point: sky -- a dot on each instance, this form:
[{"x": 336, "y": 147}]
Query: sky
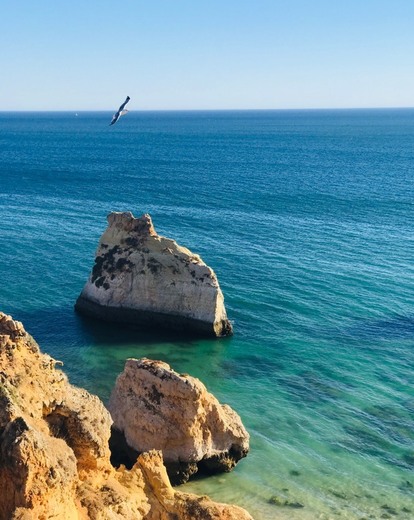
[{"x": 198, "y": 54}]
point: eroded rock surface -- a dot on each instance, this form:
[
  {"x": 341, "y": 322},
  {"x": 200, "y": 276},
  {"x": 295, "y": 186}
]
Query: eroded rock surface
[
  {"x": 155, "y": 407},
  {"x": 54, "y": 454},
  {"x": 142, "y": 278}
]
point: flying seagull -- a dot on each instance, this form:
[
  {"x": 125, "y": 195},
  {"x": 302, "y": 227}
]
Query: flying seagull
[{"x": 121, "y": 112}]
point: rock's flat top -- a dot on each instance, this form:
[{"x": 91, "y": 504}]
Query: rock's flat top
[
  {"x": 54, "y": 455},
  {"x": 142, "y": 276}
]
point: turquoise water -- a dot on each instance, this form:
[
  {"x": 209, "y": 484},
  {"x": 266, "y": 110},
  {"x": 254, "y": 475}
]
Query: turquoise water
[{"x": 306, "y": 217}]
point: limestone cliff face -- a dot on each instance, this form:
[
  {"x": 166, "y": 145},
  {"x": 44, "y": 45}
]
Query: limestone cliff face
[
  {"x": 143, "y": 278},
  {"x": 155, "y": 407},
  {"x": 54, "y": 454}
]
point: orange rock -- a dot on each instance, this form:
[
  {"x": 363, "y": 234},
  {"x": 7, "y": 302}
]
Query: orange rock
[
  {"x": 54, "y": 455},
  {"x": 155, "y": 407}
]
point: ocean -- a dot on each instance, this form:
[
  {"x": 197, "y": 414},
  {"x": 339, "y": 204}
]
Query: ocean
[{"x": 306, "y": 216}]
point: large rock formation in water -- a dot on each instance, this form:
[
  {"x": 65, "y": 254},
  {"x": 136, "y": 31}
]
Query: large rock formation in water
[
  {"x": 140, "y": 277},
  {"x": 54, "y": 454},
  {"x": 154, "y": 407}
]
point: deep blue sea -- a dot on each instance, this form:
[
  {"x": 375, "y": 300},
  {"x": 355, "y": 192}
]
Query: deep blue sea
[{"x": 306, "y": 218}]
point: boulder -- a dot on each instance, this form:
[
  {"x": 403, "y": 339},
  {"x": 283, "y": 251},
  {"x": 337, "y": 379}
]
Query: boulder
[
  {"x": 142, "y": 278},
  {"x": 154, "y": 407},
  {"x": 54, "y": 453}
]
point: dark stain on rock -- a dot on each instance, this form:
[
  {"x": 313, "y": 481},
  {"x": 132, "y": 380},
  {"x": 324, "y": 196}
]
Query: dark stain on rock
[
  {"x": 101, "y": 260},
  {"x": 132, "y": 241},
  {"x": 196, "y": 510},
  {"x": 105, "y": 264},
  {"x": 122, "y": 263},
  {"x": 100, "y": 281},
  {"x": 154, "y": 265},
  {"x": 149, "y": 405},
  {"x": 97, "y": 268},
  {"x": 155, "y": 395}
]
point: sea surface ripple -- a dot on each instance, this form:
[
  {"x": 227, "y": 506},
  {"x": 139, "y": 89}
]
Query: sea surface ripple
[{"x": 307, "y": 219}]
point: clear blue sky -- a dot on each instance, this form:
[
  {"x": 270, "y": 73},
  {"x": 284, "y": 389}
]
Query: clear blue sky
[{"x": 199, "y": 54}]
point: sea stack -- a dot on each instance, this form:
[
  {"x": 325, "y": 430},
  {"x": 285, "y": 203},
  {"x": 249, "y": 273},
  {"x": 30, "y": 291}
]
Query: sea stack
[{"x": 142, "y": 278}]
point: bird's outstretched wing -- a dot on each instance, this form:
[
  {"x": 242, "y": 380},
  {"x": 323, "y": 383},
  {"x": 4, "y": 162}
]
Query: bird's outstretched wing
[
  {"x": 120, "y": 112},
  {"x": 124, "y": 103}
]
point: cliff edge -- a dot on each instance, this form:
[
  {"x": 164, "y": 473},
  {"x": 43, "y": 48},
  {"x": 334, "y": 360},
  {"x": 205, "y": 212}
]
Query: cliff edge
[
  {"x": 54, "y": 453},
  {"x": 140, "y": 277}
]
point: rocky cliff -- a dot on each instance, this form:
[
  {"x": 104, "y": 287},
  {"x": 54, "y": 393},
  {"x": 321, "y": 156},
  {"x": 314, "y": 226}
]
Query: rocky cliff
[
  {"x": 142, "y": 278},
  {"x": 155, "y": 407},
  {"x": 54, "y": 454}
]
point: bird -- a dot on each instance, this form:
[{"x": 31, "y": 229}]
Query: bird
[{"x": 121, "y": 111}]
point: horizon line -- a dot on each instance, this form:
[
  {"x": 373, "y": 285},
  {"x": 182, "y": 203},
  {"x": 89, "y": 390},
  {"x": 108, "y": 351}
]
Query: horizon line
[{"x": 209, "y": 109}]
